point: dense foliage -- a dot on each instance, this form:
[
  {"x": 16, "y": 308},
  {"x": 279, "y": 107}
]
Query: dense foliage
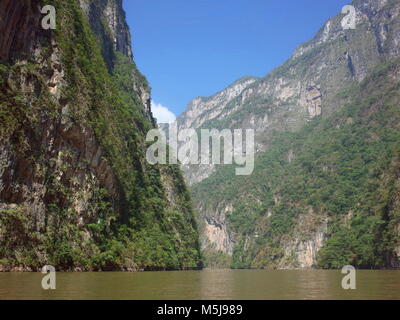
[{"x": 136, "y": 228}]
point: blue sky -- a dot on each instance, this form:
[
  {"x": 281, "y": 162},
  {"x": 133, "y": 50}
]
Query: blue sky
[{"x": 190, "y": 48}]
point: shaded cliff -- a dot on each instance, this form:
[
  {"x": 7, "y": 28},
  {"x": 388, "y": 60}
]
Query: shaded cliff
[{"x": 75, "y": 188}]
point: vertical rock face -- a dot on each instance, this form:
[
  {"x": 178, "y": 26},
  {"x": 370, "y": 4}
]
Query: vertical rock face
[
  {"x": 107, "y": 20},
  {"x": 17, "y": 19},
  {"x": 307, "y": 251},
  {"x": 304, "y": 89},
  {"x": 216, "y": 236},
  {"x": 301, "y": 250},
  {"x": 75, "y": 188}
]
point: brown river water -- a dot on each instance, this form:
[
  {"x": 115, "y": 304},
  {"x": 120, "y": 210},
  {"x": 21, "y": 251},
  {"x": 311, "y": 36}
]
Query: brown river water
[{"x": 201, "y": 285}]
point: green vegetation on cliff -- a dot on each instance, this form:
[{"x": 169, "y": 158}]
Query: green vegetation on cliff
[
  {"x": 339, "y": 172},
  {"x": 128, "y": 220}
]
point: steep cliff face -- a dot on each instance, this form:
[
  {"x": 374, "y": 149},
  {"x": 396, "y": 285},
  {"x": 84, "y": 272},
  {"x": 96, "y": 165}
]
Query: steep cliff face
[
  {"x": 75, "y": 188},
  {"x": 16, "y": 22},
  {"x": 262, "y": 216},
  {"x": 108, "y": 22},
  {"x": 199, "y": 113}
]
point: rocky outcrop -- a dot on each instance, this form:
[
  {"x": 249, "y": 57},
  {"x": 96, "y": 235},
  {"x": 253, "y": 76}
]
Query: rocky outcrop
[
  {"x": 305, "y": 242},
  {"x": 215, "y": 235},
  {"x": 313, "y": 100}
]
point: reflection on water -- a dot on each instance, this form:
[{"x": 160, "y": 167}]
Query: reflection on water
[{"x": 207, "y": 284}]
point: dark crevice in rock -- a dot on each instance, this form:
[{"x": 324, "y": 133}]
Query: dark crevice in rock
[{"x": 350, "y": 65}]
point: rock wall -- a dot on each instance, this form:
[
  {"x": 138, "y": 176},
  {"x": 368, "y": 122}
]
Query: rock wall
[
  {"x": 107, "y": 19},
  {"x": 16, "y": 23},
  {"x": 64, "y": 189}
]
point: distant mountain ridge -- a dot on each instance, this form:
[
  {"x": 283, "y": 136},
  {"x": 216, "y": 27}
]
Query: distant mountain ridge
[{"x": 304, "y": 87}]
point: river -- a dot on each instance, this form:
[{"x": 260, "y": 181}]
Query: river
[{"x": 206, "y": 284}]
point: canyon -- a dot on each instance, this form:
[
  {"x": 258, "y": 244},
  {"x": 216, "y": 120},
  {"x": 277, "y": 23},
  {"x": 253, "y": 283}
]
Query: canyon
[{"x": 77, "y": 192}]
